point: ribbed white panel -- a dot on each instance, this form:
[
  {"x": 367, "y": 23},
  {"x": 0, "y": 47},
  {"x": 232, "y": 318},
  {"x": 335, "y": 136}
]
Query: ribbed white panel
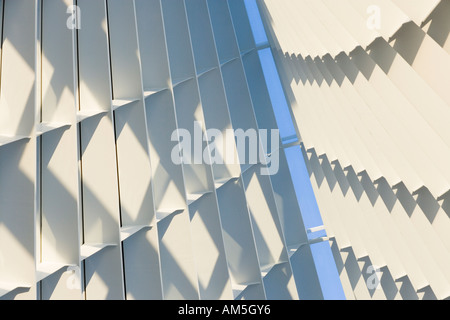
[
  {"x": 372, "y": 106},
  {"x": 91, "y": 204}
]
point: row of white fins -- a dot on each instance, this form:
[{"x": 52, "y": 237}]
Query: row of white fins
[{"x": 372, "y": 108}]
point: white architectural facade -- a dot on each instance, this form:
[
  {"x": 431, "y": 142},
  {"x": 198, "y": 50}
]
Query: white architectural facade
[
  {"x": 98, "y": 99},
  {"x": 368, "y": 84},
  {"x": 92, "y": 205}
]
